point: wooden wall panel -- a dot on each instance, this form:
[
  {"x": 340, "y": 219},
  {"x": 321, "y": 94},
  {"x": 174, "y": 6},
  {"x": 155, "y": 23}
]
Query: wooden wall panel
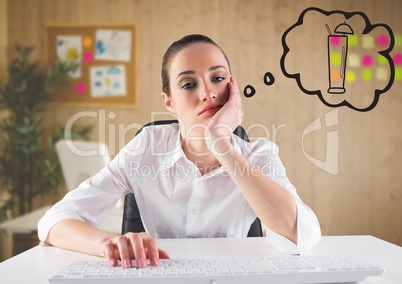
[
  {"x": 364, "y": 197},
  {"x": 3, "y": 41}
]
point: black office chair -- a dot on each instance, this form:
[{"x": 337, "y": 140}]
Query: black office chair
[{"x": 131, "y": 215}]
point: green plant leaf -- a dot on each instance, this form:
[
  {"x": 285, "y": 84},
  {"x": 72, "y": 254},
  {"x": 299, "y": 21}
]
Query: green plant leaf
[{"x": 28, "y": 165}]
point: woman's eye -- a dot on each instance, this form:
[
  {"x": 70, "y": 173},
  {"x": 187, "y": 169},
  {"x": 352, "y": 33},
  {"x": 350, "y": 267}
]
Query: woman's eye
[
  {"x": 188, "y": 85},
  {"x": 218, "y": 79}
]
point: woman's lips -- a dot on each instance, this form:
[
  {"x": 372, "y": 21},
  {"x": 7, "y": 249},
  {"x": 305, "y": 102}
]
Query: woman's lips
[{"x": 210, "y": 108}]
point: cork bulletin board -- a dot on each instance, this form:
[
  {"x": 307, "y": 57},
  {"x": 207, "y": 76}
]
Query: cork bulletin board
[{"x": 106, "y": 55}]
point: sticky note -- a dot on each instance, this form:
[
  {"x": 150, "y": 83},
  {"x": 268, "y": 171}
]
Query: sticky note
[
  {"x": 381, "y": 60},
  {"x": 381, "y": 74},
  {"x": 398, "y": 40},
  {"x": 367, "y": 74},
  {"x": 367, "y": 41},
  {"x": 397, "y": 59},
  {"x": 367, "y": 60},
  {"x": 334, "y": 40},
  {"x": 335, "y": 75},
  {"x": 350, "y": 76},
  {"x": 398, "y": 73},
  {"x": 335, "y": 58},
  {"x": 383, "y": 40},
  {"x": 353, "y": 40},
  {"x": 353, "y": 60}
]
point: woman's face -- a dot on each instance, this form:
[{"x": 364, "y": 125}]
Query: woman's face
[{"x": 199, "y": 77}]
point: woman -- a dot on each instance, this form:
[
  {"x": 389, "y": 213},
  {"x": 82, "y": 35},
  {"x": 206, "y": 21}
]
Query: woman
[{"x": 208, "y": 182}]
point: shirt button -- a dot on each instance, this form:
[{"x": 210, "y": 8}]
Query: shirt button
[{"x": 194, "y": 211}]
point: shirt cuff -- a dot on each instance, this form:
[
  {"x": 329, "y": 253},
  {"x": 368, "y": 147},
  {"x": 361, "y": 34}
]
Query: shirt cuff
[
  {"x": 308, "y": 233},
  {"x": 50, "y": 219}
]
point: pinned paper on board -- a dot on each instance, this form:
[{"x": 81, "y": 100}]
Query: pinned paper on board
[
  {"x": 69, "y": 48},
  {"x": 113, "y": 45},
  {"x": 106, "y": 55},
  {"x": 108, "y": 81}
]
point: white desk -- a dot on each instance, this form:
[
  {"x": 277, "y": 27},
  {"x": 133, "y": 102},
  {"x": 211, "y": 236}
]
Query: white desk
[{"x": 38, "y": 263}]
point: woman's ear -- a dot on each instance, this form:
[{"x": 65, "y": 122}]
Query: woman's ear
[{"x": 168, "y": 102}]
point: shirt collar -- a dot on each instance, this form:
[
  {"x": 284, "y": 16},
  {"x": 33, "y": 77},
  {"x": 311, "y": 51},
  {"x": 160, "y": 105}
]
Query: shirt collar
[{"x": 175, "y": 151}]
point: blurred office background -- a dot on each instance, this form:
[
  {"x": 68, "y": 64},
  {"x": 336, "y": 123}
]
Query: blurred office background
[{"x": 357, "y": 192}]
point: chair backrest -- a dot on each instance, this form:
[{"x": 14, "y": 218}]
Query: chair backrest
[
  {"x": 131, "y": 215},
  {"x": 80, "y": 160}
]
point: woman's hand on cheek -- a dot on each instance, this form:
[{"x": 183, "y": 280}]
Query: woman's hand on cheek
[
  {"x": 231, "y": 114},
  {"x": 225, "y": 121}
]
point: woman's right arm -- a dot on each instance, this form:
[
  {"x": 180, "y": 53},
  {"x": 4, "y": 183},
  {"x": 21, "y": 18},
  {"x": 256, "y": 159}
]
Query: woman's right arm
[
  {"x": 76, "y": 235},
  {"x": 72, "y": 222}
]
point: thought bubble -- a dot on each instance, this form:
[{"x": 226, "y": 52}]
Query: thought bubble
[
  {"x": 315, "y": 54},
  {"x": 268, "y": 80}
]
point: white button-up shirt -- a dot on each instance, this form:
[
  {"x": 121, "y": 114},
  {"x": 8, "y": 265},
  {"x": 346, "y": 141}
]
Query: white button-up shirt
[{"x": 174, "y": 199}]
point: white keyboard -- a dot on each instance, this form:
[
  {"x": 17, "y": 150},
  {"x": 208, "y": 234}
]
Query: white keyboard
[{"x": 250, "y": 270}]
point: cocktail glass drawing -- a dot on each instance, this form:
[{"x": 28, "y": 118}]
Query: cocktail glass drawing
[{"x": 337, "y": 55}]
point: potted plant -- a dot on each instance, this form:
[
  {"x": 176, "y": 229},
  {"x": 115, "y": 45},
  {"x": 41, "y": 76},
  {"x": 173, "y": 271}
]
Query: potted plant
[{"x": 28, "y": 160}]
